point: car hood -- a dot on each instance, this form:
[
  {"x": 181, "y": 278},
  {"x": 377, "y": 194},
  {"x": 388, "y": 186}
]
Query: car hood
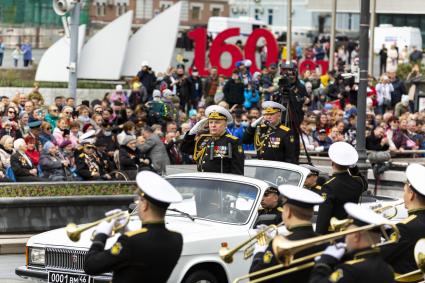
[{"x": 207, "y": 234}]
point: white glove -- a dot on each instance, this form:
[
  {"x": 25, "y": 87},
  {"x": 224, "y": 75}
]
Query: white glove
[
  {"x": 336, "y": 251},
  {"x": 118, "y": 221},
  {"x": 319, "y": 148},
  {"x": 198, "y": 126},
  {"x": 310, "y": 147},
  {"x": 112, "y": 212},
  {"x": 257, "y": 122},
  {"x": 105, "y": 227},
  {"x": 270, "y": 233},
  {"x": 259, "y": 249}
]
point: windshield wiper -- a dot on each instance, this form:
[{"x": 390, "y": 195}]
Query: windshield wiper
[{"x": 182, "y": 213}]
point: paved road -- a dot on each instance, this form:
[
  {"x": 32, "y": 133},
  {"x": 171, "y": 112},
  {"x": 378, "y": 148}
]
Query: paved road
[{"x": 7, "y": 268}]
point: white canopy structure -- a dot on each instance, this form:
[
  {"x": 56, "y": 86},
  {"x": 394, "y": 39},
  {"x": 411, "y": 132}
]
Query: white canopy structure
[{"x": 109, "y": 54}]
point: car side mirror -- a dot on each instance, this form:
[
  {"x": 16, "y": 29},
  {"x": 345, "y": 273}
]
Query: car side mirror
[{"x": 265, "y": 219}]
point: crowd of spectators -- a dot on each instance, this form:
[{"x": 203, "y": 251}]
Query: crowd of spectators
[{"x": 139, "y": 126}]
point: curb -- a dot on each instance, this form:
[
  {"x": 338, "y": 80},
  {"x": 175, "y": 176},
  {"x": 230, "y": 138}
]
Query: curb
[{"x": 13, "y": 244}]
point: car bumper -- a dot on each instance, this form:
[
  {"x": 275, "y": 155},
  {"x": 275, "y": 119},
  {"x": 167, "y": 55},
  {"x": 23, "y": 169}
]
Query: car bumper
[{"x": 41, "y": 274}]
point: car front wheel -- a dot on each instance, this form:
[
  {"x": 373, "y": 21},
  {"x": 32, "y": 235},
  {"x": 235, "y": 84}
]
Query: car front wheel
[{"x": 201, "y": 276}]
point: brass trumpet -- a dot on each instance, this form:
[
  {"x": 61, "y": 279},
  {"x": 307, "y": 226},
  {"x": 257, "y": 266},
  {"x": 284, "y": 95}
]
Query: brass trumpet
[
  {"x": 73, "y": 231},
  {"x": 419, "y": 253},
  {"x": 261, "y": 238},
  {"x": 382, "y": 209},
  {"x": 285, "y": 250}
]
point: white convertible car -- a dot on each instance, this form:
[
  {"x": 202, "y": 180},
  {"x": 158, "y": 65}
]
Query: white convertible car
[{"x": 218, "y": 209}]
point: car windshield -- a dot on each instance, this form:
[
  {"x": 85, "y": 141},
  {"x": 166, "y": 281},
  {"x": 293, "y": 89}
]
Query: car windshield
[
  {"x": 217, "y": 200},
  {"x": 276, "y": 176}
]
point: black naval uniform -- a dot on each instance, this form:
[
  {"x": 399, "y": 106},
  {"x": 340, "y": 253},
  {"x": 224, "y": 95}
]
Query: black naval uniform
[
  {"x": 222, "y": 155},
  {"x": 362, "y": 266},
  {"x": 400, "y": 255},
  {"x": 88, "y": 165},
  {"x": 317, "y": 188},
  {"x": 145, "y": 255},
  {"x": 272, "y": 143},
  {"x": 273, "y": 211},
  {"x": 267, "y": 259},
  {"x": 343, "y": 187}
]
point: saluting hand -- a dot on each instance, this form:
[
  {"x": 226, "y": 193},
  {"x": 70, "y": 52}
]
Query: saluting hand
[
  {"x": 257, "y": 122},
  {"x": 198, "y": 126}
]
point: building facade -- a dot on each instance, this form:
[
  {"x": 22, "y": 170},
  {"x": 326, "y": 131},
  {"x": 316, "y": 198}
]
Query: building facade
[
  {"x": 194, "y": 13},
  {"x": 273, "y": 13},
  {"x": 315, "y": 15}
]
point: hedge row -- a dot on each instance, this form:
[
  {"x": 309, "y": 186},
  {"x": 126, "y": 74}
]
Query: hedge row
[{"x": 44, "y": 190}]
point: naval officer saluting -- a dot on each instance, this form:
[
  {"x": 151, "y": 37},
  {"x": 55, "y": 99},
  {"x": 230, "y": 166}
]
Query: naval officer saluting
[{"x": 214, "y": 149}]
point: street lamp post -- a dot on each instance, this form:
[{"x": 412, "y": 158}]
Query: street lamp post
[
  {"x": 73, "y": 53},
  {"x": 361, "y": 97},
  {"x": 372, "y": 35},
  {"x": 289, "y": 33},
  {"x": 333, "y": 32}
]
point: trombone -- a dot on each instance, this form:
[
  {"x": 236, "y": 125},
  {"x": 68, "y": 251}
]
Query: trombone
[
  {"x": 261, "y": 238},
  {"x": 73, "y": 231},
  {"x": 419, "y": 254},
  {"x": 285, "y": 249}
]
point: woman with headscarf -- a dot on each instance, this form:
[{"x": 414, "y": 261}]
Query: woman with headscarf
[
  {"x": 130, "y": 157},
  {"x": 6, "y": 150},
  {"x": 23, "y": 123},
  {"x": 22, "y": 167},
  {"x": 53, "y": 165}
]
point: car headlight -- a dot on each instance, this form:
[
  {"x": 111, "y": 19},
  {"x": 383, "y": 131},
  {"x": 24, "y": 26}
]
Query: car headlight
[{"x": 36, "y": 256}]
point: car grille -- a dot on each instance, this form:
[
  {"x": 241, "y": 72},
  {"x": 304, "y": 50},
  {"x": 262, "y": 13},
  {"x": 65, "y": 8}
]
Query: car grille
[{"x": 65, "y": 259}]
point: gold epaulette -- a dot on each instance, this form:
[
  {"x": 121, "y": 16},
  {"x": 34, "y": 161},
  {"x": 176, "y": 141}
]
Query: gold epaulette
[
  {"x": 354, "y": 261},
  {"x": 135, "y": 232},
  {"x": 328, "y": 181},
  {"x": 318, "y": 187},
  {"x": 408, "y": 219},
  {"x": 263, "y": 125},
  {"x": 411, "y": 278},
  {"x": 285, "y": 128},
  {"x": 232, "y": 137},
  {"x": 81, "y": 155}
]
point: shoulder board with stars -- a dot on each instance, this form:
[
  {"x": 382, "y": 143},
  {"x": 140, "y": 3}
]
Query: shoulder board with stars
[
  {"x": 285, "y": 128},
  {"x": 330, "y": 180},
  {"x": 354, "y": 261},
  {"x": 408, "y": 219},
  {"x": 135, "y": 232},
  {"x": 232, "y": 137}
]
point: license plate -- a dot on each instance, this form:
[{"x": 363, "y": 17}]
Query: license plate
[{"x": 61, "y": 277}]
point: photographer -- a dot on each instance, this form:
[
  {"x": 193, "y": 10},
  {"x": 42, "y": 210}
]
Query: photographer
[
  {"x": 147, "y": 78},
  {"x": 292, "y": 94}
]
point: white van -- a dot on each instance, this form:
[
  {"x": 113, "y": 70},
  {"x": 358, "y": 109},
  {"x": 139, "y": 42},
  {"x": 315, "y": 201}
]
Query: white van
[
  {"x": 245, "y": 24},
  {"x": 401, "y": 36}
]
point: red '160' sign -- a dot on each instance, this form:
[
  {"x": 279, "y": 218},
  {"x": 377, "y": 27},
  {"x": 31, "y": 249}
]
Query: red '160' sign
[{"x": 219, "y": 46}]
